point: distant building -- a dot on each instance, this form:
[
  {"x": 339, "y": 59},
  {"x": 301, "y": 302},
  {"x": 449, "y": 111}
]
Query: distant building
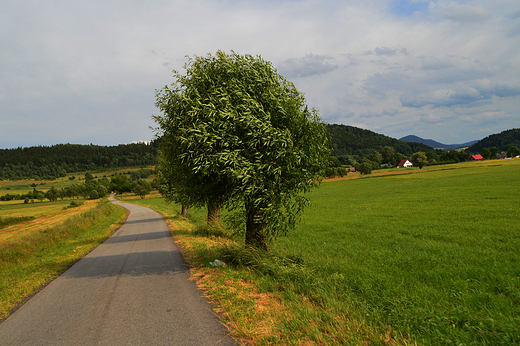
[
  {"x": 501, "y": 155},
  {"x": 476, "y": 157},
  {"x": 404, "y": 163}
]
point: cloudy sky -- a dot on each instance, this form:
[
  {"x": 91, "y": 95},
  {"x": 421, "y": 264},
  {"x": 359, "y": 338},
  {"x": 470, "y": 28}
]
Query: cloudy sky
[{"x": 86, "y": 71}]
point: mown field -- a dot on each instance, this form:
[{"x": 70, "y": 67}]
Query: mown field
[{"x": 429, "y": 258}]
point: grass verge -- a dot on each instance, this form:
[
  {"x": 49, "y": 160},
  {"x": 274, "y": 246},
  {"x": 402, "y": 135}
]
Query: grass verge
[{"x": 29, "y": 260}]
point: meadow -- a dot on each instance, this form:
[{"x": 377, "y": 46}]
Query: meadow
[
  {"x": 54, "y": 236},
  {"x": 427, "y": 258}
]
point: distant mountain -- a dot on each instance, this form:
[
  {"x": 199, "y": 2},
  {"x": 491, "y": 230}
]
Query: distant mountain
[
  {"x": 435, "y": 144},
  {"x": 350, "y": 140},
  {"x": 500, "y": 140}
]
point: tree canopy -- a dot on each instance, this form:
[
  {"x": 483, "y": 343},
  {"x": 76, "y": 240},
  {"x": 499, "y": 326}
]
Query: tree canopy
[
  {"x": 236, "y": 133},
  {"x": 500, "y": 140}
]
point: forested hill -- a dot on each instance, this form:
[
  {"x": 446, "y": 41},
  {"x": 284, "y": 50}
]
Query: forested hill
[
  {"x": 350, "y": 140},
  {"x": 57, "y": 160},
  {"x": 500, "y": 140}
]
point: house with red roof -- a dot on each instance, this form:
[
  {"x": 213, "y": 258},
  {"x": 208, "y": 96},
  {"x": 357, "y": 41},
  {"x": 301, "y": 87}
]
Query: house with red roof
[
  {"x": 404, "y": 163},
  {"x": 476, "y": 157}
]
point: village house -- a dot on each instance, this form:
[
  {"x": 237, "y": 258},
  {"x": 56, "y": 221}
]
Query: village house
[
  {"x": 476, "y": 157},
  {"x": 404, "y": 163}
]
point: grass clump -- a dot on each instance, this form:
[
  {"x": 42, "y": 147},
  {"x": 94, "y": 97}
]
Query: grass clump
[
  {"x": 8, "y": 221},
  {"x": 74, "y": 204}
]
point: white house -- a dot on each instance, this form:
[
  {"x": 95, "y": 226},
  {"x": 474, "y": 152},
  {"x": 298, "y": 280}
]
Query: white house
[{"x": 404, "y": 163}]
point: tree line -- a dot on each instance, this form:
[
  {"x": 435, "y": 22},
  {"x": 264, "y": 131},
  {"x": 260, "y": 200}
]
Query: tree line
[{"x": 48, "y": 163}]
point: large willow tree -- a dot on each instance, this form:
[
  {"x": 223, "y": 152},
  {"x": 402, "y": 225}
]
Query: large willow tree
[{"x": 237, "y": 134}]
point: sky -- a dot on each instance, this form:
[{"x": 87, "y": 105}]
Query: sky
[{"x": 86, "y": 72}]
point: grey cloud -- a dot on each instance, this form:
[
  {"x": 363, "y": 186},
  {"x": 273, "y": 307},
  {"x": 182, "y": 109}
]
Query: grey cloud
[
  {"x": 514, "y": 31},
  {"x": 462, "y": 96},
  {"x": 391, "y": 112},
  {"x": 514, "y": 15},
  {"x": 500, "y": 90},
  {"x": 307, "y": 66},
  {"x": 432, "y": 63},
  {"x": 379, "y": 84},
  {"x": 441, "y": 98},
  {"x": 465, "y": 14},
  {"x": 385, "y": 51}
]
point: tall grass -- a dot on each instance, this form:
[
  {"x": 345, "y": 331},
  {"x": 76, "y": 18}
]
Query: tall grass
[
  {"x": 30, "y": 260},
  {"x": 8, "y": 221}
]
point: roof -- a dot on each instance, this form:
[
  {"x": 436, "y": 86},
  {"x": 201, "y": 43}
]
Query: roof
[
  {"x": 402, "y": 163},
  {"x": 477, "y": 157}
]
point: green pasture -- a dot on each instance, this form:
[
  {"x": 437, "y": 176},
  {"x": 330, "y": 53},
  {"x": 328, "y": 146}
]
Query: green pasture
[
  {"x": 18, "y": 208},
  {"x": 20, "y": 187},
  {"x": 429, "y": 258},
  {"x": 432, "y": 256}
]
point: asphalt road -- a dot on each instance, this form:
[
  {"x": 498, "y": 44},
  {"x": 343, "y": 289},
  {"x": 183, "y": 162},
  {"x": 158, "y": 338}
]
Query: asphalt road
[{"x": 131, "y": 290}]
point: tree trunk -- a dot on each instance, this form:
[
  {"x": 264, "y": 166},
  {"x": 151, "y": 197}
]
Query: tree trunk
[
  {"x": 184, "y": 210},
  {"x": 255, "y": 236},
  {"x": 214, "y": 206}
]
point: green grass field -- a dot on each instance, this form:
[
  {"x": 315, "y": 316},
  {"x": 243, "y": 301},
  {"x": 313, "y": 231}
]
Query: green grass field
[
  {"x": 20, "y": 187},
  {"x": 430, "y": 258}
]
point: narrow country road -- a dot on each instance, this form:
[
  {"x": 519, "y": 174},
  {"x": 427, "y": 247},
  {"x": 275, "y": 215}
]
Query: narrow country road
[{"x": 131, "y": 290}]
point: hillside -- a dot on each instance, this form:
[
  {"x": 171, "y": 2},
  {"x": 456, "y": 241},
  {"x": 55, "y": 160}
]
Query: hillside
[
  {"x": 500, "y": 140},
  {"x": 350, "y": 140},
  {"x": 434, "y": 144},
  {"x": 57, "y": 160}
]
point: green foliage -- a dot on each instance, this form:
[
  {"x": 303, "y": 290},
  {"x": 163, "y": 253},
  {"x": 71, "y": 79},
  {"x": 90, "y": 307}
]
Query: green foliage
[
  {"x": 236, "y": 132},
  {"x": 141, "y": 187},
  {"x": 334, "y": 169},
  {"x": 332, "y": 172},
  {"x": 365, "y": 168},
  {"x": 486, "y": 153},
  {"x": 94, "y": 194},
  {"x": 419, "y": 159},
  {"x": 387, "y": 154},
  {"x": 500, "y": 141},
  {"x": 494, "y": 151},
  {"x": 55, "y": 161},
  {"x": 120, "y": 183},
  {"x": 455, "y": 156},
  {"x": 512, "y": 151},
  {"x": 74, "y": 204},
  {"x": 350, "y": 140},
  {"x": 88, "y": 177},
  {"x": 52, "y": 194}
]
